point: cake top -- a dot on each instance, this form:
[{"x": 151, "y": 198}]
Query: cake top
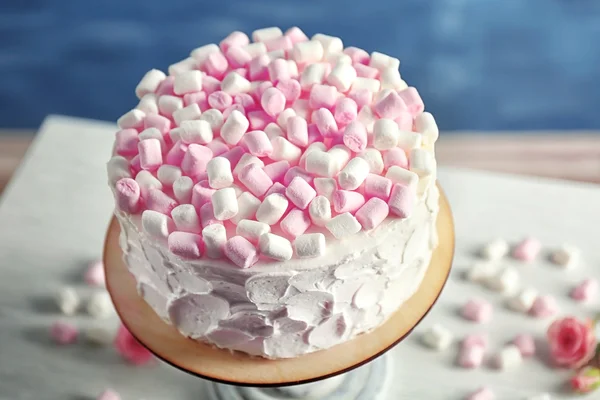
[{"x": 246, "y": 147}]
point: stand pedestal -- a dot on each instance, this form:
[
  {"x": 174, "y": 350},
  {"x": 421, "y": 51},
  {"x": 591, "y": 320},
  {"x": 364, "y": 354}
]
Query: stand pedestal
[{"x": 343, "y": 372}]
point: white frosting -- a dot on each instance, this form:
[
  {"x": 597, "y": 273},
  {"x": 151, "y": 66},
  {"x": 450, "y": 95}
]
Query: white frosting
[{"x": 286, "y": 309}]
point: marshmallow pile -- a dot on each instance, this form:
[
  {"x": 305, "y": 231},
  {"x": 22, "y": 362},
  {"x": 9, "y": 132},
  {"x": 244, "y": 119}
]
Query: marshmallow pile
[{"x": 260, "y": 148}]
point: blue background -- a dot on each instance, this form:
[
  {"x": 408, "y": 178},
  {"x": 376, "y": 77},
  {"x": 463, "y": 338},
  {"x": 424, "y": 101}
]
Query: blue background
[{"x": 479, "y": 64}]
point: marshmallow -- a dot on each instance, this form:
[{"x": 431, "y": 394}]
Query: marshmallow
[
  {"x": 150, "y": 154},
  {"x": 264, "y": 34},
  {"x": 295, "y": 223},
  {"x": 225, "y": 205},
  {"x": 355, "y": 136},
  {"x": 182, "y": 189},
  {"x": 482, "y": 394},
  {"x": 353, "y": 174},
  {"x": 316, "y": 146},
  {"x": 294, "y": 172},
  {"x": 109, "y": 394},
  {"x": 285, "y": 150},
  {"x": 331, "y": 44},
  {"x": 297, "y": 131},
  {"x": 275, "y": 247},
  {"x": 343, "y": 225},
  {"x": 156, "y": 224},
  {"x": 310, "y": 245},
  {"x": 302, "y": 108},
  {"x": 214, "y": 237},
  {"x": 147, "y": 181},
  {"x": 347, "y": 201},
  {"x": 411, "y": 98},
  {"x": 153, "y": 133},
  {"x": 63, "y": 332},
  {"x": 313, "y": 74},
  {"x": 149, "y": 82},
  {"x": 255, "y": 179},
  {"x": 195, "y": 159},
  {"x": 258, "y": 143},
  {"x": 307, "y": 52},
  {"x": 409, "y": 140},
  {"x": 214, "y": 118},
  {"x": 525, "y": 343},
  {"x": 234, "y": 127},
  {"x": 280, "y": 43},
  {"x": 544, "y": 307},
  {"x": 278, "y": 70},
  {"x": 325, "y": 122},
  {"x": 148, "y": 104},
  {"x": 168, "y": 174},
  {"x": 201, "y": 53},
  {"x": 368, "y": 119},
  {"x": 273, "y": 130},
  {"x": 586, "y": 290},
  {"x": 322, "y": 96},
  {"x": 157, "y": 200},
  {"x": 385, "y": 134},
  {"x": 234, "y": 83},
  {"x": 219, "y": 173},
  {"x": 296, "y": 35},
  {"x": 481, "y": 272},
  {"x": 131, "y": 119},
  {"x": 216, "y": 64},
  {"x": 272, "y": 101},
  {"x": 494, "y": 250},
  {"x": 361, "y": 97},
  {"x": 389, "y": 105},
  {"x": 346, "y": 111},
  {"x": 237, "y": 57},
  {"x": 189, "y": 113},
  {"x": 508, "y": 357},
  {"x": 168, "y": 104},
  {"x": 477, "y": 310},
  {"x": 374, "y": 159},
  {"x": 166, "y": 86},
  {"x": 396, "y": 156},
  {"x": 247, "y": 206},
  {"x": 241, "y": 252},
  {"x": 527, "y": 250},
  {"x": 402, "y": 176},
  {"x": 234, "y": 39},
  {"x": 390, "y": 79},
  {"x": 201, "y": 194},
  {"x": 290, "y": 88},
  {"x": 543, "y": 396},
  {"x": 342, "y": 76},
  {"x": 505, "y": 281},
  {"x": 207, "y": 215},
  {"x": 284, "y": 116},
  {"x": 276, "y": 188},
  {"x": 471, "y": 356},
  {"x": 425, "y": 124},
  {"x": 320, "y": 210},
  {"x": 300, "y": 193},
  {"x": 382, "y": 61},
  {"x": 100, "y": 305},
  {"x": 523, "y": 301},
  {"x": 422, "y": 162},
  {"x": 247, "y": 159},
  {"x": 341, "y": 154},
  {"x": 566, "y": 256},
  {"x": 362, "y": 83},
  {"x": 272, "y": 209},
  {"x": 258, "y": 119},
  {"x": 252, "y": 230},
  {"x": 325, "y": 187},
  {"x": 437, "y": 337},
  {"x": 475, "y": 340},
  {"x": 94, "y": 276},
  {"x": 277, "y": 170},
  {"x": 220, "y": 100},
  {"x": 405, "y": 122},
  {"x": 195, "y": 131},
  {"x": 378, "y": 186},
  {"x": 127, "y": 195},
  {"x": 322, "y": 164},
  {"x": 185, "y": 245},
  {"x": 176, "y": 154},
  {"x": 186, "y": 218},
  {"x": 372, "y": 213},
  {"x": 67, "y": 300}
]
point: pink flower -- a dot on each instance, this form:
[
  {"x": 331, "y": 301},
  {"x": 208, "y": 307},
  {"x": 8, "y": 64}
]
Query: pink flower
[
  {"x": 130, "y": 349},
  {"x": 572, "y": 343},
  {"x": 586, "y": 381}
]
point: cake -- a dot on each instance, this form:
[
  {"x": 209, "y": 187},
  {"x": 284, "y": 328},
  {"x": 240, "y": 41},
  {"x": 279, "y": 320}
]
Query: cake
[{"x": 276, "y": 195}]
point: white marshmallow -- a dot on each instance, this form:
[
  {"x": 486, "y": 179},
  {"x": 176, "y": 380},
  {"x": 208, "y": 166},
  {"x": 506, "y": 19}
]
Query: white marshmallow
[
  {"x": 275, "y": 247},
  {"x": 422, "y": 162},
  {"x": 353, "y": 174},
  {"x": 322, "y": 164},
  {"x": 523, "y": 301},
  {"x": 425, "y": 124},
  {"x": 168, "y": 104},
  {"x": 156, "y": 224},
  {"x": 247, "y": 205},
  {"x": 343, "y": 225},
  {"x": 131, "y": 119},
  {"x": 265, "y": 34},
  {"x": 437, "y": 337},
  {"x": 255, "y": 49},
  {"x": 148, "y": 104},
  {"x": 224, "y": 204},
  {"x": 214, "y": 117},
  {"x": 302, "y": 109},
  {"x": 374, "y": 158},
  {"x": 367, "y": 118},
  {"x": 308, "y": 52},
  {"x": 252, "y": 230},
  {"x": 234, "y": 84},
  {"x": 275, "y": 54},
  {"x": 117, "y": 168},
  {"x": 505, "y": 281},
  {"x": 67, "y": 300},
  {"x": 238, "y": 191},
  {"x": 320, "y": 210},
  {"x": 481, "y": 271},
  {"x": 168, "y": 174},
  {"x": 313, "y": 74},
  {"x": 331, "y": 44},
  {"x": 188, "y": 82},
  {"x": 316, "y": 146},
  {"x": 390, "y": 79},
  {"x": 272, "y": 209},
  {"x": 385, "y": 134},
  {"x": 341, "y": 154},
  {"x": 370, "y": 84},
  {"x": 495, "y": 250},
  {"x": 182, "y": 188},
  {"x": 283, "y": 117},
  {"x": 283, "y": 149},
  {"x": 382, "y": 61},
  {"x": 293, "y": 69},
  {"x": 202, "y": 52},
  {"x": 149, "y": 83},
  {"x": 214, "y": 237},
  {"x": 400, "y": 175},
  {"x": 154, "y": 133},
  {"x": 509, "y": 357},
  {"x": 247, "y": 159},
  {"x": 234, "y": 127},
  {"x": 409, "y": 140},
  {"x": 147, "y": 181},
  {"x": 186, "y": 218},
  {"x": 219, "y": 174},
  {"x": 185, "y": 65},
  {"x": 273, "y": 130},
  {"x": 325, "y": 187},
  {"x": 566, "y": 256},
  {"x": 195, "y": 131},
  {"x": 310, "y": 245},
  {"x": 188, "y": 113},
  {"x": 100, "y": 305},
  {"x": 338, "y": 58},
  {"x": 382, "y": 94},
  {"x": 101, "y": 334},
  {"x": 342, "y": 77}
]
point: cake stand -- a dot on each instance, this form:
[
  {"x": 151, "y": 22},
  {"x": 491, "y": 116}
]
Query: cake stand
[{"x": 349, "y": 371}]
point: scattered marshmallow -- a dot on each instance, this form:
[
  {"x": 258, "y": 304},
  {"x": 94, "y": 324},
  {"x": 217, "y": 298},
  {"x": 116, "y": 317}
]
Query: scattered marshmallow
[
  {"x": 168, "y": 104},
  {"x": 509, "y": 357},
  {"x": 523, "y": 301},
  {"x": 247, "y": 159},
  {"x": 544, "y": 307},
  {"x": 149, "y": 83},
  {"x": 374, "y": 159},
  {"x": 234, "y": 83},
  {"x": 437, "y": 337},
  {"x": 185, "y": 245},
  {"x": 272, "y": 209},
  {"x": 67, "y": 300},
  {"x": 422, "y": 162},
  {"x": 252, "y": 230},
  {"x": 325, "y": 187},
  {"x": 188, "y": 113},
  {"x": 186, "y": 218},
  {"x": 353, "y": 174},
  {"x": 310, "y": 245},
  {"x": 241, "y": 252},
  {"x": 525, "y": 343},
  {"x": 100, "y": 305},
  {"x": 247, "y": 206},
  {"x": 258, "y": 143},
  {"x": 372, "y": 213},
  {"x": 378, "y": 186},
  {"x": 586, "y": 290},
  {"x": 182, "y": 189},
  {"x": 471, "y": 356},
  {"x": 477, "y": 310},
  {"x": 402, "y": 200},
  {"x": 295, "y": 223},
  {"x": 109, "y": 394},
  {"x": 347, "y": 201},
  {"x": 343, "y": 225},
  {"x": 225, "y": 204},
  {"x": 566, "y": 256},
  {"x": 495, "y": 250},
  {"x": 214, "y": 237},
  {"x": 132, "y": 119},
  {"x": 101, "y": 334},
  {"x": 385, "y": 134},
  {"x": 265, "y": 34},
  {"x": 63, "y": 332},
  {"x": 156, "y": 224},
  {"x": 234, "y": 128},
  {"x": 168, "y": 174},
  {"x": 402, "y": 176},
  {"x": 275, "y": 247},
  {"x": 307, "y": 52},
  {"x": 342, "y": 77},
  {"x": 300, "y": 193},
  {"x": 219, "y": 173},
  {"x": 481, "y": 272},
  {"x": 255, "y": 179},
  {"x": 285, "y": 150},
  {"x": 425, "y": 124},
  {"x": 482, "y": 394},
  {"x": 527, "y": 250},
  {"x": 504, "y": 281},
  {"x": 195, "y": 131},
  {"x": 320, "y": 210},
  {"x": 94, "y": 275},
  {"x": 382, "y": 61}
]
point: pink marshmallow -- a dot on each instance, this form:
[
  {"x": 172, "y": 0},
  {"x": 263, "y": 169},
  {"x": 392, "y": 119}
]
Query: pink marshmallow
[
  {"x": 134, "y": 164},
  {"x": 355, "y": 136},
  {"x": 166, "y": 87},
  {"x": 477, "y": 310},
  {"x": 322, "y": 96},
  {"x": 300, "y": 193},
  {"x": 210, "y": 84},
  {"x": 201, "y": 194},
  {"x": 544, "y": 307},
  {"x": 404, "y": 121},
  {"x": 177, "y": 153},
  {"x": 395, "y": 156},
  {"x": 474, "y": 340},
  {"x": 272, "y": 101},
  {"x": 150, "y": 154},
  {"x": 471, "y": 356},
  {"x": 527, "y": 250},
  {"x": 159, "y": 122},
  {"x": 364, "y": 71},
  {"x": 372, "y": 213},
  {"x": 412, "y": 100},
  {"x": 127, "y": 195},
  {"x": 391, "y": 106},
  {"x": 241, "y": 252},
  {"x": 296, "y": 172},
  {"x": 279, "y": 43},
  {"x": 402, "y": 200},
  {"x": 199, "y": 98},
  {"x": 185, "y": 245},
  {"x": 259, "y": 119},
  {"x": 207, "y": 215},
  {"x": 157, "y": 200},
  {"x": 357, "y": 55},
  {"x": 231, "y": 108},
  {"x": 220, "y": 100},
  {"x": 276, "y": 188},
  {"x": 215, "y": 64},
  {"x": 126, "y": 142},
  {"x": 378, "y": 186},
  {"x": 257, "y": 69},
  {"x": 278, "y": 70},
  {"x": 290, "y": 88},
  {"x": 362, "y": 97},
  {"x": 219, "y": 148},
  {"x": 325, "y": 122},
  {"x": 238, "y": 57},
  {"x": 245, "y": 100},
  {"x": 234, "y": 39},
  {"x": 313, "y": 134},
  {"x": 346, "y": 111},
  {"x": 586, "y": 290},
  {"x": 277, "y": 170},
  {"x": 260, "y": 89},
  {"x": 347, "y": 201},
  {"x": 482, "y": 394},
  {"x": 109, "y": 395},
  {"x": 297, "y": 131},
  {"x": 195, "y": 159},
  {"x": 295, "y": 223},
  {"x": 243, "y": 72},
  {"x": 94, "y": 276},
  {"x": 257, "y": 143},
  {"x": 526, "y": 344},
  {"x": 255, "y": 179},
  {"x": 63, "y": 332},
  {"x": 296, "y": 35}
]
